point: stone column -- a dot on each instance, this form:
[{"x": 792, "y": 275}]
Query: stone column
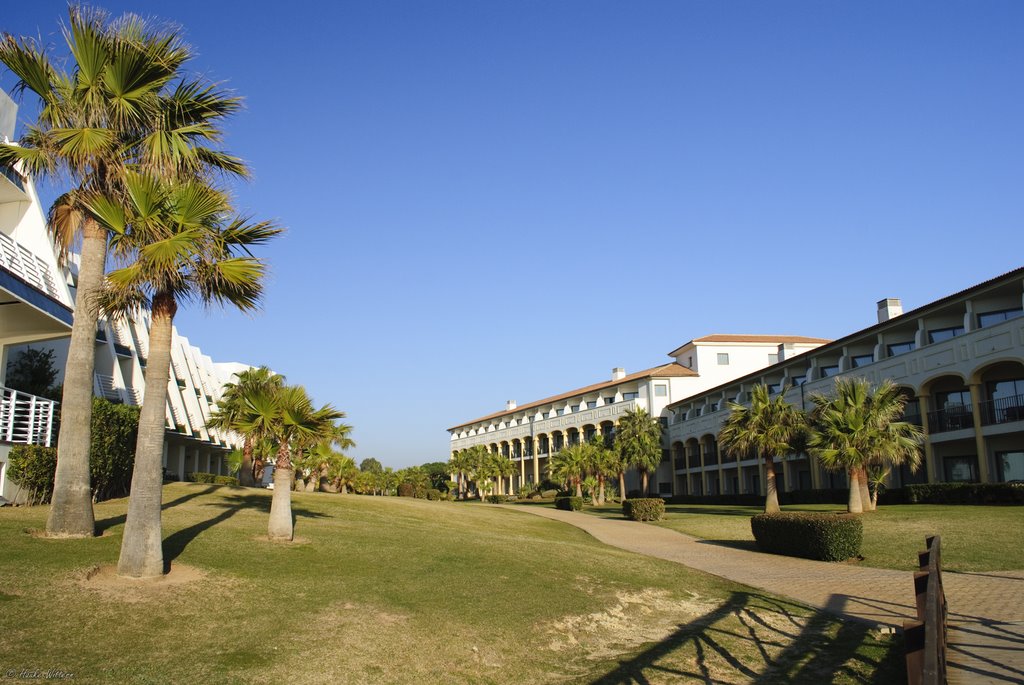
[
  {"x": 181, "y": 462},
  {"x": 536, "y": 460},
  {"x": 977, "y": 397}
]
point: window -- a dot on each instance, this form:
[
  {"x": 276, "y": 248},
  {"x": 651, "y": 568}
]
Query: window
[
  {"x": 689, "y": 362},
  {"x": 630, "y": 396},
  {"x": 559, "y": 412},
  {"x": 773, "y": 358},
  {"x": 940, "y": 334},
  {"x": 609, "y": 400},
  {"x": 774, "y": 388},
  {"x": 723, "y": 358},
  {"x": 900, "y": 348},
  {"x": 1011, "y": 465},
  {"x": 799, "y": 380},
  {"x": 661, "y": 391},
  {"x": 829, "y": 371},
  {"x": 545, "y": 415},
  {"x": 575, "y": 408},
  {"x": 663, "y": 420},
  {"x": 664, "y": 488},
  {"x": 992, "y": 318},
  {"x": 591, "y": 404},
  {"x": 954, "y": 398},
  {"x": 961, "y": 469},
  {"x": 863, "y": 360}
]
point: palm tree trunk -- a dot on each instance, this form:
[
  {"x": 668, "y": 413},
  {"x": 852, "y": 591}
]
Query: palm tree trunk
[
  {"x": 643, "y": 488},
  {"x": 865, "y": 493},
  {"x": 141, "y": 548},
  {"x": 600, "y": 489},
  {"x": 622, "y": 485},
  {"x": 245, "y": 474},
  {"x": 579, "y": 487},
  {"x": 71, "y": 513},
  {"x": 280, "y": 527},
  {"x": 771, "y": 500},
  {"x": 855, "y": 504}
]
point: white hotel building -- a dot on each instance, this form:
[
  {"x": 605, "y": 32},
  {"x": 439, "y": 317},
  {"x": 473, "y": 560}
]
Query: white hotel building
[
  {"x": 959, "y": 360},
  {"x": 36, "y": 309},
  {"x": 528, "y": 434}
]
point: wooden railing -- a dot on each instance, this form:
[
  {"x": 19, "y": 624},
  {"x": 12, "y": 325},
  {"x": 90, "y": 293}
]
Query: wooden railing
[{"x": 926, "y": 637}]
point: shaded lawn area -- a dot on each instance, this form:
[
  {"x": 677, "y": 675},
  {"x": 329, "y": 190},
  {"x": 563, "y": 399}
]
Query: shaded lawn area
[
  {"x": 974, "y": 538},
  {"x": 401, "y": 591}
]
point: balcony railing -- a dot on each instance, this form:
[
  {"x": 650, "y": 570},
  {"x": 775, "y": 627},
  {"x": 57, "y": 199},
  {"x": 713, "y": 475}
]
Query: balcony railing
[
  {"x": 13, "y": 176},
  {"x": 26, "y": 419},
  {"x": 953, "y": 418},
  {"x": 1002, "y": 410},
  {"x": 20, "y": 261}
]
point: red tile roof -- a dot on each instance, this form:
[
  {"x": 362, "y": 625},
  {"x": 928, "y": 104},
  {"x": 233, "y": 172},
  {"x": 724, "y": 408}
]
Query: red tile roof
[{"x": 670, "y": 370}]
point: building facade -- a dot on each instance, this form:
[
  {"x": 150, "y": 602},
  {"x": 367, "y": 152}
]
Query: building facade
[
  {"x": 529, "y": 434},
  {"x": 959, "y": 361}
]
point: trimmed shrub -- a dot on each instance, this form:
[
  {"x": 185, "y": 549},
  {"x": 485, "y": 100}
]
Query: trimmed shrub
[
  {"x": 498, "y": 499},
  {"x": 821, "y": 536},
  {"x": 111, "y": 456},
  {"x": 965, "y": 493},
  {"x": 433, "y": 494},
  {"x": 200, "y": 477},
  {"x": 644, "y": 508},
  {"x": 549, "y": 494},
  {"x": 225, "y": 480},
  {"x": 406, "y": 490},
  {"x": 569, "y": 503}
]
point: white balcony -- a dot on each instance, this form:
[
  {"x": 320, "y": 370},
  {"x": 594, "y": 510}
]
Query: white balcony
[{"x": 26, "y": 419}]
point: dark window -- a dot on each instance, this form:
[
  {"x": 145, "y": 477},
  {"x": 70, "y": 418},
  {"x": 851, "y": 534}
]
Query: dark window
[
  {"x": 828, "y": 371},
  {"x": 1011, "y": 465},
  {"x": 900, "y": 348},
  {"x": 863, "y": 360},
  {"x": 609, "y": 400},
  {"x": 992, "y": 318},
  {"x": 799, "y": 380},
  {"x": 774, "y": 388},
  {"x": 953, "y": 398},
  {"x": 663, "y": 420},
  {"x": 630, "y": 395},
  {"x": 545, "y": 415},
  {"x": 575, "y": 408},
  {"x": 665, "y": 455},
  {"x": 664, "y": 488},
  {"x": 961, "y": 469},
  {"x": 591, "y": 404},
  {"x": 940, "y": 334},
  {"x": 559, "y": 412}
]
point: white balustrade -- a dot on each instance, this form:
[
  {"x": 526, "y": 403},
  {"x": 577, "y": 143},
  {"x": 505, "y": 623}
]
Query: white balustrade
[{"x": 26, "y": 419}]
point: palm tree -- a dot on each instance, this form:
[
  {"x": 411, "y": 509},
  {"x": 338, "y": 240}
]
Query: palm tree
[
  {"x": 855, "y": 429},
  {"x": 603, "y": 463},
  {"x": 179, "y": 242},
  {"x": 343, "y": 473},
  {"x": 504, "y": 468},
  {"x": 114, "y": 107},
  {"x": 288, "y": 415},
  {"x": 230, "y": 410},
  {"x": 766, "y": 429},
  {"x": 569, "y": 465},
  {"x": 638, "y": 440}
]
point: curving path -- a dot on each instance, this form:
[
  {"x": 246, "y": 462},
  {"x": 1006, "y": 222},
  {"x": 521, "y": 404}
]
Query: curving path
[{"x": 986, "y": 610}]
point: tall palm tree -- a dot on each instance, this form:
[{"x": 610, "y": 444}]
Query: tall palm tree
[
  {"x": 856, "y": 428},
  {"x": 230, "y": 410},
  {"x": 504, "y": 468},
  {"x": 638, "y": 440},
  {"x": 115, "y": 106},
  {"x": 179, "y": 242},
  {"x": 768, "y": 428},
  {"x": 603, "y": 463},
  {"x": 343, "y": 473}
]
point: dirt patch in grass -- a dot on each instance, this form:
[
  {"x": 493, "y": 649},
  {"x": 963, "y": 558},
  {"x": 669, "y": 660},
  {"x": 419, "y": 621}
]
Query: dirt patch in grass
[
  {"x": 634, "y": 618},
  {"x": 104, "y": 581}
]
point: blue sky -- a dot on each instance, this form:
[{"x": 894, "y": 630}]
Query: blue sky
[{"x": 503, "y": 200}]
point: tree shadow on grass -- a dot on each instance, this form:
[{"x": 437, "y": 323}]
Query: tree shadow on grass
[
  {"x": 175, "y": 543},
  {"x": 107, "y": 523},
  {"x": 774, "y": 647}
]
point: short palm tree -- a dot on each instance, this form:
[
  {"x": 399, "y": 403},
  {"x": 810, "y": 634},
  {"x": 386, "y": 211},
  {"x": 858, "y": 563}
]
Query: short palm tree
[
  {"x": 503, "y": 468},
  {"x": 569, "y": 466},
  {"x": 289, "y": 417},
  {"x": 461, "y": 464},
  {"x": 768, "y": 428},
  {"x": 857, "y": 428},
  {"x": 603, "y": 463},
  {"x": 179, "y": 242},
  {"x": 116, "y": 106},
  {"x": 230, "y": 410},
  {"x": 638, "y": 440}
]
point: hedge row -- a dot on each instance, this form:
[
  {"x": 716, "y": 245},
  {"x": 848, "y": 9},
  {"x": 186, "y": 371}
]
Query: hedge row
[
  {"x": 965, "y": 493},
  {"x": 824, "y": 536},
  {"x": 498, "y": 499},
  {"x": 644, "y": 508},
  {"x": 201, "y": 477},
  {"x": 569, "y": 503}
]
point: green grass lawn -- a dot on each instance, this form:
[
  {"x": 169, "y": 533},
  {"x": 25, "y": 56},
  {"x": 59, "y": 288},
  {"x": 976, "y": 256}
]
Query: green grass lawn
[
  {"x": 398, "y": 591},
  {"x": 974, "y": 538}
]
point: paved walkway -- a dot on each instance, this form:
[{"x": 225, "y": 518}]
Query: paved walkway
[{"x": 986, "y": 610}]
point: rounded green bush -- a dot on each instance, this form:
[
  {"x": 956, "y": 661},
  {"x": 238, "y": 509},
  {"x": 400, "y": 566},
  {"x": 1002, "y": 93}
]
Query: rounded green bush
[
  {"x": 820, "y": 536},
  {"x": 569, "y": 503},
  {"x": 644, "y": 508}
]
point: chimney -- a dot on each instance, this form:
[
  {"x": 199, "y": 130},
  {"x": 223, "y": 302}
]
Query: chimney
[
  {"x": 889, "y": 308},
  {"x": 786, "y": 350},
  {"x": 510, "y": 405},
  {"x": 618, "y": 373}
]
